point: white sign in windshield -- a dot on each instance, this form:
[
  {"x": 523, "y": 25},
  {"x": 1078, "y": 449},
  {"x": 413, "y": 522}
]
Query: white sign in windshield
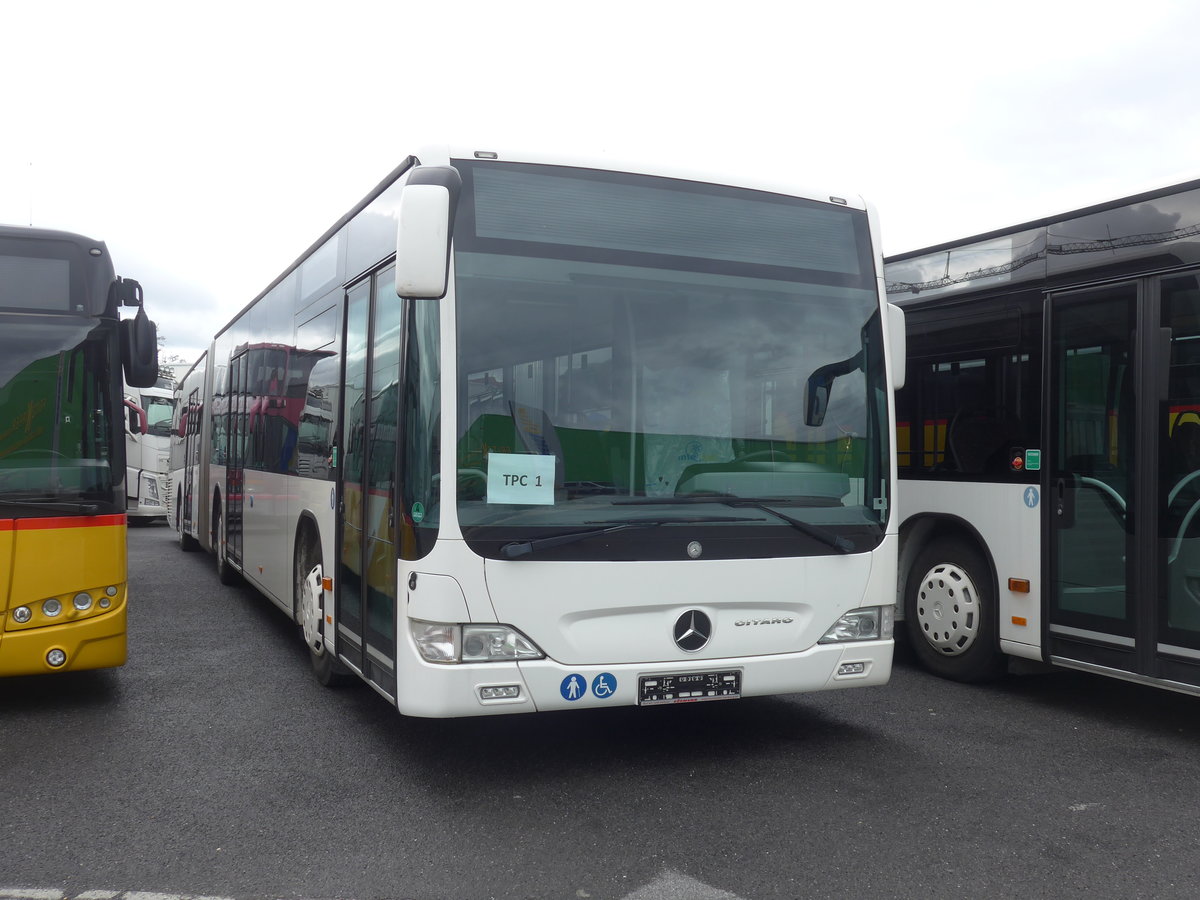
[{"x": 520, "y": 478}]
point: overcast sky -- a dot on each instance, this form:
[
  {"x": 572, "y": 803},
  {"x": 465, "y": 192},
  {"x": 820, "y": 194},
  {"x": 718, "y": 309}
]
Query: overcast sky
[{"x": 209, "y": 144}]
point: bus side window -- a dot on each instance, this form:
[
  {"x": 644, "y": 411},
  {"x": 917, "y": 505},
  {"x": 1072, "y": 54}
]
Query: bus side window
[{"x": 972, "y": 387}]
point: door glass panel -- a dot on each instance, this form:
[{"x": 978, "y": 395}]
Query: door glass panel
[
  {"x": 380, "y": 477},
  {"x": 236, "y": 473},
  {"x": 351, "y": 464},
  {"x": 1092, "y": 506},
  {"x": 1179, "y": 467}
]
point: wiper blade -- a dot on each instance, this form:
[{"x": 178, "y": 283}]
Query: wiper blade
[
  {"x": 824, "y": 535},
  {"x": 517, "y": 549}
]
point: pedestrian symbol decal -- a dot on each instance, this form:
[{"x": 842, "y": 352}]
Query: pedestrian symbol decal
[
  {"x": 573, "y": 687},
  {"x": 604, "y": 685},
  {"x": 1031, "y": 497}
]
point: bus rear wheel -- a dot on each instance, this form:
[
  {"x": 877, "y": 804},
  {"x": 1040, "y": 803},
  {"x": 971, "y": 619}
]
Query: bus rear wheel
[
  {"x": 950, "y": 612},
  {"x": 307, "y": 587},
  {"x": 226, "y": 573},
  {"x": 187, "y": 543}
]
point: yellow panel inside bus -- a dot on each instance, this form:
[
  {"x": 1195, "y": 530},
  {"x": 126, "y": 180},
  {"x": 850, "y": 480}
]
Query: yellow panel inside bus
[
  {"x": 934, "y": 432},
  {"x": 60, "y": 560}
]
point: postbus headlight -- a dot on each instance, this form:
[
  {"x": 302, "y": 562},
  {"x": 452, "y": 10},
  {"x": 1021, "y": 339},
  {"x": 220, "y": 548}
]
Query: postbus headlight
[
  {"x": 871, "y": 623},
  {"x": 441, "y": 642},
  {"x": 51, "y": 607},
  {"x": 22, "y": 614},
  {"x": 82, "y": 601}
]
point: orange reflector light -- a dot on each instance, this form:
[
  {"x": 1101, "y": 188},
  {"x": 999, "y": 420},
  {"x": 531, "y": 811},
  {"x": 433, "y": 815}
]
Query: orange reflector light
[
  {"x": 1018, "y": 585},
  {"x": 1020, "y": 620},
  {"x": 329, "y": 620},
  {"x": 327, "y": 584}
]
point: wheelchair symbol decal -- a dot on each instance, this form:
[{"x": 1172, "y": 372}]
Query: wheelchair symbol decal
[{"x": 604, "y": 685}]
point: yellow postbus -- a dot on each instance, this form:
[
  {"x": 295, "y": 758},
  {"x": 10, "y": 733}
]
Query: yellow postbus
[{"x": 62, "y": 499}]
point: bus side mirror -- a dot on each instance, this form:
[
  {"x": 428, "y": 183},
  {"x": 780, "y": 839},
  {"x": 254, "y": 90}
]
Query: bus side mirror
[
  {"x": 817, "y": 398},
  {"x": 139, "y": 350},
  {"x": 425, "y": 226},
  {"x": 897, "y": 345},
  {"x": 820, "y": 386}
]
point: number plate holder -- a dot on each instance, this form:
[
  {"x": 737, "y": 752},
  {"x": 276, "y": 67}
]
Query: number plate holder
[{"x": 689, "y": 687}]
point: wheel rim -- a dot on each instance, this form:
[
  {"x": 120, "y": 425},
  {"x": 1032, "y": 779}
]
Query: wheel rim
[
  {"x": 310, "y": 609},
  {"x": 948, "y": 609}
]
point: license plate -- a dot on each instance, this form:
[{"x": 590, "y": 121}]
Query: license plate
[{"x": 692, "y": 687}]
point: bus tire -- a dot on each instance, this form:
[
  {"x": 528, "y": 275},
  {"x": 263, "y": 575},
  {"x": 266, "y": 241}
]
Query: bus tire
[
  {"x": 326, "y": 668},
  {"x": 950, "y": 612},
  {"x": 187, "y": 543},
  {"x": 226, "y": 574}
]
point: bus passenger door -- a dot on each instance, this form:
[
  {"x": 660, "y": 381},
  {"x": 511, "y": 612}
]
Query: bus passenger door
[
  {"x": 191, "y": 456},
  {"x": 1176, "y": 613},
  {"x": 1092, "y": 502},
  {"x": 235, "y": 472},
  {"x": 350, "y": 475},
  {"x": 367, "y": 476},
  {"x": 1124, "y": 505}
]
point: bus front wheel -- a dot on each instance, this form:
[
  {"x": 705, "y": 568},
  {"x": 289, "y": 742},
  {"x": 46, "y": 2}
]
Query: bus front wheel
[
  {"x": 949, "y": 608},
  {"x": 307, "y": 589}
]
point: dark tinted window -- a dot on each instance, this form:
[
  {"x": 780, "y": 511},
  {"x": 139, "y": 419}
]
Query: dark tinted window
[{"x": 971, "y": 402}]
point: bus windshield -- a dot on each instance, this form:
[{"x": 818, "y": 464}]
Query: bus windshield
[
  {"x": 55, "y": 411},
  {"x": 158, "y": 415},
  {"x": 637, "y": 354}
]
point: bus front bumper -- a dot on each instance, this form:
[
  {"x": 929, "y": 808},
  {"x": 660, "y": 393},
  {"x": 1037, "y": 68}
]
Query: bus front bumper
[
  {"x": 94, "y": 643},
  {"x": 481, "y": 689}
]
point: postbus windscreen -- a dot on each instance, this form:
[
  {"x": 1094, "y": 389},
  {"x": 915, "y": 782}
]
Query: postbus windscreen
[
  {"x": 55, "y": 411},
  {"x": 636, "y": 353}
]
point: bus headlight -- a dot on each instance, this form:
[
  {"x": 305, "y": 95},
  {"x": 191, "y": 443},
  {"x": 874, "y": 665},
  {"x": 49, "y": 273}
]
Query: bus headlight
[
  {"x": 82, "y": 601},
  {"x": 492, "y": 643},
  {"x": 150, "y": 490},
  {"x": 441, "y": 642},
  {"x": 51, "y": 607},
  {"x": 22, "y": 614},
  {"x": 871, "y": 623},
  {"x": 438, "y": 642}
]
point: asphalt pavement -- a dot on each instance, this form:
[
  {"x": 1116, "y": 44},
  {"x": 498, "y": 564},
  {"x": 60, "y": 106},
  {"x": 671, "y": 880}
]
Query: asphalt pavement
[{"x": 214, "y": 765}]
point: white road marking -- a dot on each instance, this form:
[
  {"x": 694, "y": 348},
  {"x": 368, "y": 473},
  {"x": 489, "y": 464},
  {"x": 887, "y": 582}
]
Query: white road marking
[
  {"x": 669, "y": 885},
  {"x": 10, "y": 893},
  {"x": 672, "y": 885}
]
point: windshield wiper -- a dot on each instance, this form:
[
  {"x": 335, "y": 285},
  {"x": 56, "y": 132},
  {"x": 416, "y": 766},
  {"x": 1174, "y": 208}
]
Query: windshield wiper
[
  {"x": 45, "y": 503},
  {"x": 517, "y": 549},
  {"x": 824, "y": 535}
]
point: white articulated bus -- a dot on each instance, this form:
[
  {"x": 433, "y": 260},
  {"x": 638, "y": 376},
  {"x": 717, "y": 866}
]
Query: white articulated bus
[
  {"x": 1050, "y": 505},
  {"x": 148, "y": 413},
  {"x": 522, "y": 433},
  {"x": 188, "y": 481}
]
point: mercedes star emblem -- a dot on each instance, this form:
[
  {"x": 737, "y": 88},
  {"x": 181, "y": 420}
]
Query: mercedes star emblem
[{"x": 692, "y": 631}]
